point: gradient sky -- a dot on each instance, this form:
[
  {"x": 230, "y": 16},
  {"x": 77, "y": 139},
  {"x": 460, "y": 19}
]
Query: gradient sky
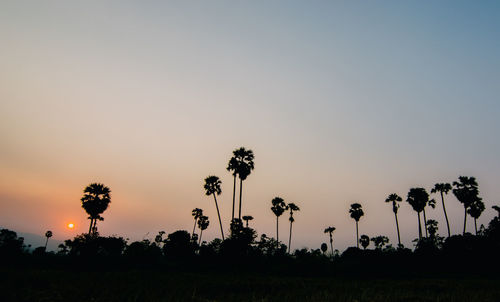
[{"x": 341, "y": 102}]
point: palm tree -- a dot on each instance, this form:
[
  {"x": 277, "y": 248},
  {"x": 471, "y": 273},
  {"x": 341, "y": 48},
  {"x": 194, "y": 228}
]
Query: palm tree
[
  {"x": 196, "y": 213},
  {"x": 432, "y": 204},
  {"x": 203, "y": 223},
  {"x": 247, "y": 218},
  {"x": 244, "y": 166},
  {"x": 365, "y": 241},
  {"x": 212, "y": 187},
  {"x": 475, "y": 210},
  {"x": 356, "y": 213},
  {"x": 443, "y": 188},
  {"x": 418, "y": 198},
  {"x": 330, "y": 230},
  {"x": 48, "y": 234},
  {"x": 292, "y": 207},
  {"x": 466, "y": 190},
  {"x": 95, "y": 200},
  {"x": 279, "y": 206},
  {"x": 395, "y": 198},
  {"x": 233, "y": 166}
]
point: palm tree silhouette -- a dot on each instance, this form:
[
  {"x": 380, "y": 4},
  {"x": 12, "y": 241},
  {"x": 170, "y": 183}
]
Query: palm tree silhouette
[
  {"x": 95, "y": 201},
  {"x": 247, "y": 218},
  {"x": 330, "y": 230},
  {"x": 475, "y": 210},
  {"x": 279, "y": 206},
  {"x": 292, "y": 207},
  {"x": 233, "y": 166},
  {"x": 395, "y": 198},
  {"x": 466, "y": 191},
  {"x": 196, "y": 213},
  {"x": 203, "y": 223},
  {"x": 365, "y": 241},
  {"x": 418, "y": 198},
  {"x": 212, "y": 187},
  {"x": 48, "y": 234},
  {"x": 356, "y": 213},
  {"x": 244, "y": 167},
  {"x": 432, "y": 204},
  {"x": 443, "y": 188}
]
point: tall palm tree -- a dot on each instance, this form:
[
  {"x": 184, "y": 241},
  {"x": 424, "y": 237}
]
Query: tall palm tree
[
  {"x": 356, "y": 213},
  {"x": 233, "y": 166},
  {"x": 292, "y": 207},
  {"x": 395, "y": 198},
  {"x": 475, "y": 210},
  {"x": 244, "y": 167},
  {"x": 212, "y": 187},
  {"x": 279, "y": 206},
  {"x": 196, "y": 213},
  {"x": 443, "y": 188},
  {"x": 203, "y": 223},
  {"x": 247, "y": 218},
  {"x": 432, "y": 204},
  {"x": 418, "y": 198},
  {"x": 330, "y": 230},
  {"x": 48, "y": 234},
  {"x": 466, "y": 190},
  {"x": 95, "y": 200}
]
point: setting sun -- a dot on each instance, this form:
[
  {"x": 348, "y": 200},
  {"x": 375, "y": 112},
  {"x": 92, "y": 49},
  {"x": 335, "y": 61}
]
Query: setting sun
[{"x": 71, "y": 226}]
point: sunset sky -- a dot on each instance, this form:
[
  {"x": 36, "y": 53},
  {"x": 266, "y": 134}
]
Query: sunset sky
[{"x": 341, "y": 102}]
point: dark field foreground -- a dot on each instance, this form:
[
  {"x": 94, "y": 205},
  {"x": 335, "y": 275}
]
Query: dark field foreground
[{"x": 40, "y": 285}]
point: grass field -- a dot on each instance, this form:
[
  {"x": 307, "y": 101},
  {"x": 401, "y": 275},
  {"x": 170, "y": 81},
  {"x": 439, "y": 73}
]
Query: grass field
[{"x": 39, "y": 285}]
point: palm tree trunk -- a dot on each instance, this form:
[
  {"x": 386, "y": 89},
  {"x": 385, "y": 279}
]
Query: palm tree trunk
[
  {"x": 290, "y": 238},
  {"x": 47, "y": 241},
  {"x": 201, "y": 233},
  {"x": 218, "y": 214},
  {"x": 397, "y": 227},
  {"x": 419, "y": 227},
  {"x": 234, "y": 194},
  {"x": 445, "y": 215},
  {"x": 277, "y": 234},
  {"x": 425, "y": 224},
  {"x": 331, "y": 243},
  {"x": 475, "y": 226},
  {"x": 94, "y": 228},
  {"x": 241, "y": 189},
  {"x": 90, "y": 227},
  {"x": 247, "y": 223},
  {"x": 465, "y": 218},
  {"x": 357, "y": 235},
  {"x": 194, "y": 227}
]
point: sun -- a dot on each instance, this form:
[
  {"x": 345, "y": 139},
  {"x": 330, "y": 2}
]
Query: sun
[{"x": 71, "y": 225}]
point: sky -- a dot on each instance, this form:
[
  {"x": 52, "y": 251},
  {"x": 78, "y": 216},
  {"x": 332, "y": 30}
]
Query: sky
[{"x": 341, "y": 102}]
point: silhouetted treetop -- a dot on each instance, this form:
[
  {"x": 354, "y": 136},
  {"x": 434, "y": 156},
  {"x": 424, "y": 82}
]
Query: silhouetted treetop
[
  {"x": 95, "y": 201},
  {"x": 279, "y": 206},
  {"x": 356, "y": 211},
  {"x": 212, "y": 185}
]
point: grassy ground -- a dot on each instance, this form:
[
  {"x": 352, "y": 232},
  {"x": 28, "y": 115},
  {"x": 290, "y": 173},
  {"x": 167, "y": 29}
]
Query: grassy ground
[{"x": 39, "y": 285}]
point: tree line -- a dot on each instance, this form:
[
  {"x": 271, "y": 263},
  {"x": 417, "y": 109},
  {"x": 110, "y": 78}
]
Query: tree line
[{"x": 242, "y": 239}]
